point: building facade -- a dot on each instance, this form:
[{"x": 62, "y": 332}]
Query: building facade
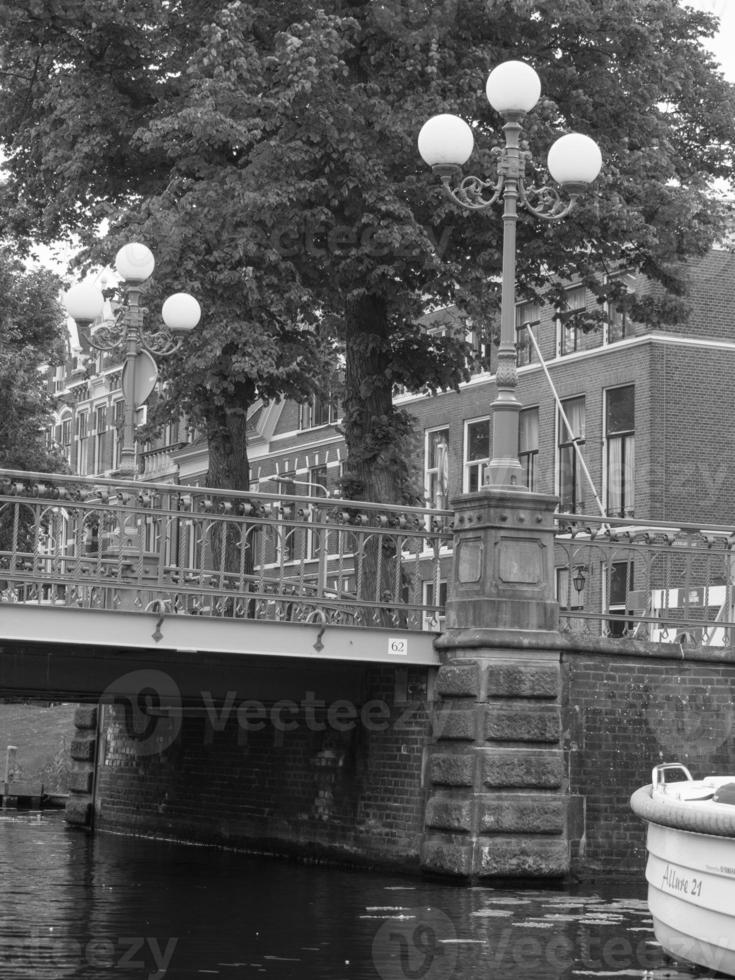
[{"x": 624, "y": 420}]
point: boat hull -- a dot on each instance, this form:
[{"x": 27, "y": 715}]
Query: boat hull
[{"x": 691, "y": 895}]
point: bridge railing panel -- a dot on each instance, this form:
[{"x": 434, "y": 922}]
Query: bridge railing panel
[
  {"x": 646, "y": 579},
  {"x": 173, "y": 549}
]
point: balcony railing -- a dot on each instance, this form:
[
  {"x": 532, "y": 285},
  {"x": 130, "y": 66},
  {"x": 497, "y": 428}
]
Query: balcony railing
[{"x": 109, "y": 544}]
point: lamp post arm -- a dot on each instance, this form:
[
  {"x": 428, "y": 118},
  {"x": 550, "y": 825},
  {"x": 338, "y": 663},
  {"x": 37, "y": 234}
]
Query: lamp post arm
[
  {"x": 470, "y": 192},
  {"x": 550, "y": 205},
  {"x": 107, "y": 336},
  {"x": 161, "y": 342}
]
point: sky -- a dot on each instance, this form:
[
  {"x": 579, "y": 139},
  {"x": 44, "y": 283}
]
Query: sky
[{"x": 723, "y": 46}]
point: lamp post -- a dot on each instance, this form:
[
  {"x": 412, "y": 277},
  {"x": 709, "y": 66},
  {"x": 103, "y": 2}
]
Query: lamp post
[
  {"x": 446, "y": 143},
  {"x": 128, "y": 335}
]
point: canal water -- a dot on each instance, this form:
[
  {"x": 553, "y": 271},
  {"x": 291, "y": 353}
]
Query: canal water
[{"x": 107, "y": 907}]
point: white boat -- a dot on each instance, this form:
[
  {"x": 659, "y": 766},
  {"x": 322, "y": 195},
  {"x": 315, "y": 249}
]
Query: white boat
[{"x": 691, "y": 864}]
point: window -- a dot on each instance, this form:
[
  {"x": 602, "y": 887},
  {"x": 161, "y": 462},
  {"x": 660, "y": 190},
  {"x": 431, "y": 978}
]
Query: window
[
  {"x": 318, "y": 481},
  {"x": 527, "y": 320},
  {"x": 287, "y": 531},
  {"x": 620, "y": 452},
  {"x": 570, "y": 472},
  {"x": 436, "y": 468},
  {"x": 617, "y": 323},
  {"x": 317, "y": 488},
  {"x": 81, "y": 433},
  {"x": 66, "y": 437},
  {"x": 103, "y": 441},
  {"x": 432, "y": 621},
  {"x": 319, "y": 410},
  {"x": 528, "y": 445},
  {"x": 568, "y": 319},
  {"x": 477, "y": 339},
  {"x": 619, "y": 585},
  {"x": 476, "y": 453}
]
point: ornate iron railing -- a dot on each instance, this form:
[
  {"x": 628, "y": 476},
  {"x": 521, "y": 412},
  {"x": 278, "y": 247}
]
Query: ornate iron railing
[
  {"x": 646, "y": 579},
  {"x": 111, "y": 544}
]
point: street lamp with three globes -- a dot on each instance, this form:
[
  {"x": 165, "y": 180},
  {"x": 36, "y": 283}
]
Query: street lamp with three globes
[
  {"x": 446, "y": 142},
  {"x": 128, "y": 335}
]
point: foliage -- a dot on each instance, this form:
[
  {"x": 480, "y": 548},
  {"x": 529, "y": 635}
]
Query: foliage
[
  {"x": 31, "y": 338},
  {"x": 267, "y": 153}
]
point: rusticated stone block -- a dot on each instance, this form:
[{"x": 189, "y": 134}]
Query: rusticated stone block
[
  {"x": 523, "y": 857},
  {"x": 527, "y": 813},
  {"x": 80, "y": 781},
  {"x": 82, "y": 749},
  {"x": 452, "y": 770},
  {"x": 455, "y": 723},
  {"x": 445, "y": 813},
  {"x": 85, "y": 716},
  {"x": 523, "y": 680},
  {"x": 78, "y": 811},
  {"x": 522, "y": 768},
  {"x": 458, "y": 680},
  {"x": 534, "y": 723},
  {"x": 447, "y": 855}
]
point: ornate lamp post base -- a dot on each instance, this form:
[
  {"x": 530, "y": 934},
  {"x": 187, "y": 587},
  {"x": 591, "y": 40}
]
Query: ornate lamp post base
[{"x": 503, "y": 571}]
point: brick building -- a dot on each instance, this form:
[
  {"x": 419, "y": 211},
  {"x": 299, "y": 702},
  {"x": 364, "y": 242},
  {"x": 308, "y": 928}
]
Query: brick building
[{"x": 650, "y": 409}]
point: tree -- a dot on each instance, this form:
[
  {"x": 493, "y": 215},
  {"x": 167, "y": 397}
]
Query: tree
[
  {"x": 32, "y": 337},
  {"x": 268, "y": 151}
]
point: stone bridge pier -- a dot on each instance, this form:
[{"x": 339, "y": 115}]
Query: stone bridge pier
[{"x": 498, "y": 798}]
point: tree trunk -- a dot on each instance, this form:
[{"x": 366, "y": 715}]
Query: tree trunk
[
  {"x": 371, "y": 470},
  {"x": 375, "y": 470},
  {"x": 230, "y": 545}
]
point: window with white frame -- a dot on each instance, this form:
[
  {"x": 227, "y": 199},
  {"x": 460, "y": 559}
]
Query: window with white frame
[
  {"x": 476, "y": 453},
  {"x": 620, "y": 451},
  {"x": 528, "y": 444},
  {"x": 436, "y": 467},
  {"x": 527, "y": 321},
  {"x": 570, "y": 472},
  {"x": 568, "y": 320}
]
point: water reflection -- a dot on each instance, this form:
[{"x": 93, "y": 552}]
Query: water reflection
[{"x": 108, "y": 906}]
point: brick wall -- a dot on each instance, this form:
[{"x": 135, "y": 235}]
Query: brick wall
[
  {"x": 358, "y": 792},
  {"x": 331, "y": 785},
  {"x": 622, "y": 715}
]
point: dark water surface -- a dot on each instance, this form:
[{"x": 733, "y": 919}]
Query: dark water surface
[{"x": 113, "y": 907}]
